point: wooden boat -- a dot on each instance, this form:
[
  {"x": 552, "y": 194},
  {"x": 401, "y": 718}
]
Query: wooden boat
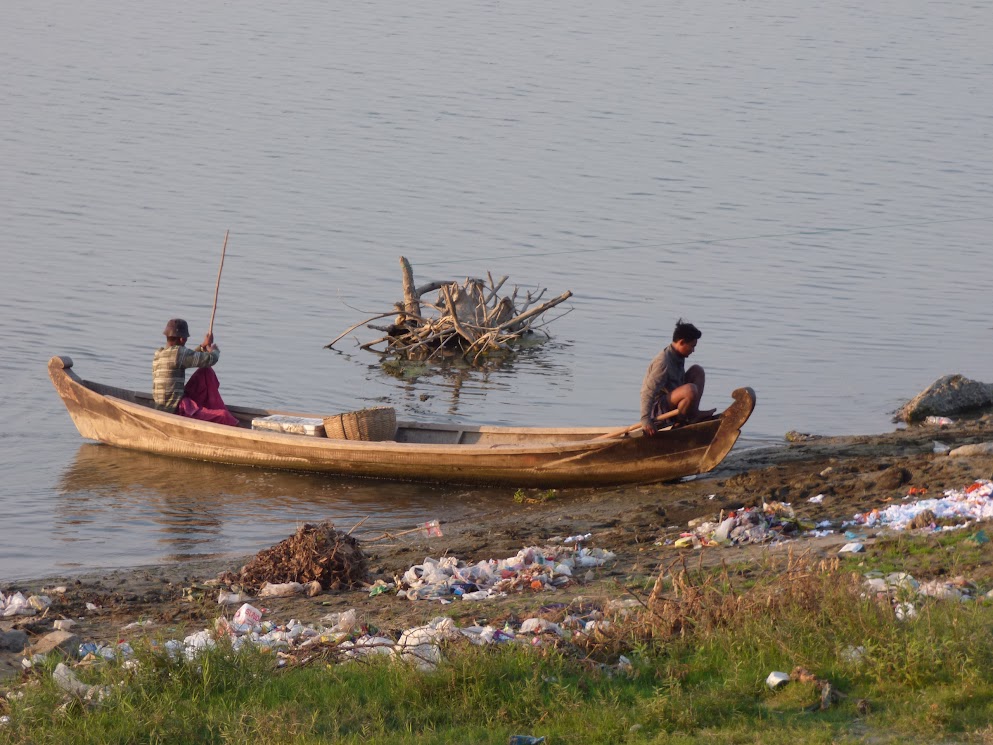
[{"x": 453, "y": 453}]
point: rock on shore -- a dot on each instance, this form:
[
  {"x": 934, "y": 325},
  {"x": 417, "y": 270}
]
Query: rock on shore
[{"x": 951, "y": 394}]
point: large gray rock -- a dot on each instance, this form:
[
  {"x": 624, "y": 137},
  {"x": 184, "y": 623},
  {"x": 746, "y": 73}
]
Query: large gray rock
[
  {"x": 65, "y": 641},
  {"x": 952, "y": 394},
  {"x": 13, "y": 641}
]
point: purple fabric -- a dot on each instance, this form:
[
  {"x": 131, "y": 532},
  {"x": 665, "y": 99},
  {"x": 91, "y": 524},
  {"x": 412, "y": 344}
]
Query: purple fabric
[{"x": 202, "y": 399}]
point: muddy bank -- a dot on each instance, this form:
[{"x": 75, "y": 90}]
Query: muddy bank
[{"x": 638, "y": 524}]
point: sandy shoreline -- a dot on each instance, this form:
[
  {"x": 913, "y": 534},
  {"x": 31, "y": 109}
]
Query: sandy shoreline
[{"x": 638, "y": 524}]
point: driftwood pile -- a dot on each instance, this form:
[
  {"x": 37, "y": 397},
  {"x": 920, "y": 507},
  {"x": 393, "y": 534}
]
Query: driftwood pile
[
  {"x": 472, "y": 319},
  {"x": 314, "y": 552}
]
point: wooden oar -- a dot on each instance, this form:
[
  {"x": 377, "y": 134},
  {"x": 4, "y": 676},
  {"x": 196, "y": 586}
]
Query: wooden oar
[
  {"x": 633, "y": 427},
  {"x": 217, "y": 287}
]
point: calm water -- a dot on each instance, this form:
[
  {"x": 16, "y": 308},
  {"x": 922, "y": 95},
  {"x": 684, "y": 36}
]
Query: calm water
[{"x": 811, "y": 185}]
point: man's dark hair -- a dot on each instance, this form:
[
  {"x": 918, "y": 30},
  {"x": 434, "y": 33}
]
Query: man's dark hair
[{"x": 685, "y": 331}]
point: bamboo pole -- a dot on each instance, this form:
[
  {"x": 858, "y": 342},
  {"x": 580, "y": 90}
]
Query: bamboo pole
[{"x": 217, "y": 287}]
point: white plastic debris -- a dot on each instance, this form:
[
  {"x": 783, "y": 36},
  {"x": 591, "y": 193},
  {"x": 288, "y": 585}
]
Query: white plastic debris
[
  {"x": 17, "y": 605},
  {"x": 247, "y": 614},
  {"x": 777, "y": 679},
  {"x": 367, "y": 645},
  {"x": 64, "y": 624},
  {"x": 941, "y": 590},
  {"x": 421, "y": 645},
  {"x": 818, "y": 499},
  {"x": 194, "y": 644},
  {"x": 904, "y": 611},
  {"x": 282, "y": 590},
  {"x": 342, "y": 624},
  {"x": 231, "y": 598},
  {"x": 939, "y": 448},
  {"x": 851, "y": 548},
  {"x": 938, "y": 421},
  {"x": 539, "y": 625},
  {"x": 66, "y": 680},
  {"x": 975, "y": 502}
]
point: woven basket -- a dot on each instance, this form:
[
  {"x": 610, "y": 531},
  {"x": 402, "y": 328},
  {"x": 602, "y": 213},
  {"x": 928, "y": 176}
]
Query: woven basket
[{"x": 372, "y": 425}]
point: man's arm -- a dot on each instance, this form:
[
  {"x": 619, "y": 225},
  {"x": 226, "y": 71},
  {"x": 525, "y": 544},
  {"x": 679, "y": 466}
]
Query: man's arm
[
  {"x": 651, "y": 389},
  {"x": 201, "y": 357}
]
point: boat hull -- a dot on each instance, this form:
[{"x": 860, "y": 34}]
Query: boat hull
[{"x": 512, "y": 456}]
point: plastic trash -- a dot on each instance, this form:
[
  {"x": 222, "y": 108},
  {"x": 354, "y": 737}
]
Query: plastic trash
[
  {"x": 525, "y": 740},
  {"x": 421, "y": 645},
  {"x": 777, "y": 679},
  {"x": 281, "y": 590},
  {"x": 379, "y": 587},
  {"x": 432, "y": 529},
  {"x": 938, "y": 421},
  {"x": 851, "y": 548},
  {"x": 68, "y": 682},
  {"x": 940, "y": 448},
  {"x": 17, "y": 605},
  {"x": 341, "y": 623},
  {"x": 248, "y": 614},
  {"x": 231, "y": 598},
  {"x": 39, "y": 602}
]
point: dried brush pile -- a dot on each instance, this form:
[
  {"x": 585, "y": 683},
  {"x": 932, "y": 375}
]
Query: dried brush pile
[
  {"x": 315, "y": 552},
  {"x": 469, "y": 319}
]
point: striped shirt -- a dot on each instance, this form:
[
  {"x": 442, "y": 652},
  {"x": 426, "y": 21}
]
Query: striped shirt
[{"x": 169, "y": 373}]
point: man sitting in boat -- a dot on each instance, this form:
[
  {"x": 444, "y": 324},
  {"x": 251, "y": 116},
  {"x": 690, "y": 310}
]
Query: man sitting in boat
[
  {"x": 669, "y": 386},
  {"x": 198, "y": 399}
]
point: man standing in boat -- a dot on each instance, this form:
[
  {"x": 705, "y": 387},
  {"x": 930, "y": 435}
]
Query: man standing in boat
[
  {"x": 668, "y": 385},
  {"x": 198, "y": 399}
]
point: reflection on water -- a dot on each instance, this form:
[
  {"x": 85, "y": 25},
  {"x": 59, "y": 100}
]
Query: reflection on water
[
  {"x": 453, "y": 378},
  {"x": 153, "y": 507}
]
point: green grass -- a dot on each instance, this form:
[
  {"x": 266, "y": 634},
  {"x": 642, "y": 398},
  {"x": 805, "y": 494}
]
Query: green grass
[{"x": 700, "y": 658}]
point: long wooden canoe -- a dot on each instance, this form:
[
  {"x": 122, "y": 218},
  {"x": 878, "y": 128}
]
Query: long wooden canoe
[{"x": 454, "y": 453}]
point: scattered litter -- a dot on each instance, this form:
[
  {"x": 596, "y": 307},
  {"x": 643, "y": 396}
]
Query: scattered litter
[
  {"x": 525, "y": 740},
  {"x": 533, "y": 568},
  {"x": 578, "y": 538},
  {"x": 901, "y": 589},
  {"x": 939, "y": 421},
  {"x": 851, "y": 548},
  {"x": 772, "y": 522},
  {"x": 969, "y": 504},
  {"x": 940, "y": 448},
  {"x": 816, "y": 500},
  {"x": 139, "y": 624}
]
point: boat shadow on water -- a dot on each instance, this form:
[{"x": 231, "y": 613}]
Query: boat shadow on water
[{"x": 188, "y": 508}]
